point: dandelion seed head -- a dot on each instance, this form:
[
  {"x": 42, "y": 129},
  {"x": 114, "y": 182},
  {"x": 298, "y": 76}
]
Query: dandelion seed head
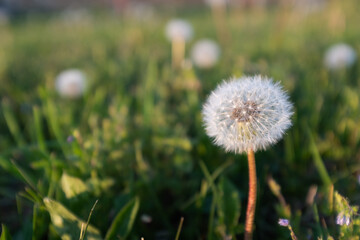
[
  {"x": 283, "y": 222},
  {"x": 71, "y": 83},
  {"x": 247, "y": 113},
  {"x": 179, "y": 29},
  {"x": 340, "y": 56},
  {"x": 205, "y": 53}
]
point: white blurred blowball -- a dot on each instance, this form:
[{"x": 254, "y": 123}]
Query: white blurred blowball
[
  {"x": 309, "y": 6},
  {"x": 140, "y": 11},
  {"x": 4, "y": 17},
  {"x": 205, "y": 53},
  {"x": 178, "y": 29},
  {"x": 71, "y": 83},
  {"x": 77, "y": 16},
  {"x": 340, "y": 56},
  {"x": 216, "y": 2}
]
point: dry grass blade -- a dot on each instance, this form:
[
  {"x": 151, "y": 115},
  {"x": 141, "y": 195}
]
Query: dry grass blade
[
  {"x": 179, "y": 228},
  {"x": 84, "y": 228}
]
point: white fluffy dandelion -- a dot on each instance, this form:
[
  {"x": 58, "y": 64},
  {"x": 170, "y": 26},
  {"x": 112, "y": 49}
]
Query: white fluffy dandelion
[
  {"x": 247, "y": 113},
  {"x": 340, "y": 56},
  {"x": 178, "y": 29},
  {"x": 71, "y": 83},
  {"x": 205, "y": 53}
]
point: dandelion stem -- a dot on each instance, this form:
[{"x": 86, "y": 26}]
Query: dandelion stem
[
  {"x": 219, "y": 13},
  {"x": 250, "y": 212},
  {"x": 178, "y": 52}
]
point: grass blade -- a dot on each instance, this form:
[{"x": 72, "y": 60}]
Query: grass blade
[{"x": 179, "y": 228}]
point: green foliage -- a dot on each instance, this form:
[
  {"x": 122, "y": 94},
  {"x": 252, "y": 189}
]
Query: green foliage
[
  {"x": 5, "y": 234},
  {"x": 124, "y": 220},
  {"x": 72, "y": 186},
  {"x": 229, "y": 208},
  {"x": 347, "y": 217},
  {"x": 66, "y": 224}
]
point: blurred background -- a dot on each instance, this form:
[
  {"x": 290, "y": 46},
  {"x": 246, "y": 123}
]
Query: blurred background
[{"x": 102, "y": 100}]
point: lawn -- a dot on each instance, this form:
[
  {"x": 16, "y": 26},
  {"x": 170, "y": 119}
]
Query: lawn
[{"x": 135, "y": 140}]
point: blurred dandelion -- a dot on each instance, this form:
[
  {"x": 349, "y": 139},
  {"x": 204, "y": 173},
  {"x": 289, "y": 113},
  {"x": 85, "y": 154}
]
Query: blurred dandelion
[
  {"x": 309, "y": 6},
  {"x": 179, "y": 29},
  {"x": 140, "y": 11},
  {"x": 216, "y": 2},
  {"x": 205, "y": 53},
  {"x": 218, "y": 11},
  {"x": 178, "y": 32},
  {"x": 76, "y": 16},
  {"x": 340, "y": 56},
  {"x": 4, "y": 17},
  {"x": 71, "y": 83},
  {"x": 246, "y": 115}
]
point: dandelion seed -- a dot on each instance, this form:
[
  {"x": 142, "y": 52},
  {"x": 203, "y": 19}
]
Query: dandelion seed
[
  {"x": 340, "y": 56},
  {"x": 71, "y": 83},
  {"x": 205, "y": 53},
  {"x": 247, "y": 113}
]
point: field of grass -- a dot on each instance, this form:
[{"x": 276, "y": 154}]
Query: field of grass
[{"x": 136, "y": 143}]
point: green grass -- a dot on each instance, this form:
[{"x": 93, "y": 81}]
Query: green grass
[{"x": 140, "y": 147}]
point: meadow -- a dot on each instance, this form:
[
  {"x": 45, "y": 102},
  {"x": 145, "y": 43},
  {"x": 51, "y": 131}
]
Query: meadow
[{"x": 135, "y": 141}]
